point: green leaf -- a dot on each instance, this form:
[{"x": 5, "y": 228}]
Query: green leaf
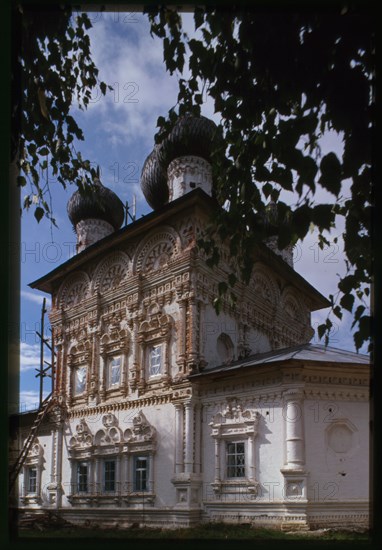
[
  {"x": 198, "y": 17},
  {"x": 86, "y": 21},
  {"x": 323, "y": 216},
  {"x": 321, "y": 329},
  {"x": 43, "y": 151},
  {"x": 331, "y": 173},
  {"x": 337, "y": 312},
  {"x": 38, "y": 213},
  {"x": 27, "y": 202},
  {"x": 21, "y": 181},
  {"x": 347, "y": 302},
  {"x": 103, "y": 88}
]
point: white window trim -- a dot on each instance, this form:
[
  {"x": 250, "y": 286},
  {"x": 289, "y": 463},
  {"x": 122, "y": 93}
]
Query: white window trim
[
  {"x": 109, "y": 443},
  {"x": 235, "y": 425},
  {"x": 35, "y": 460}
]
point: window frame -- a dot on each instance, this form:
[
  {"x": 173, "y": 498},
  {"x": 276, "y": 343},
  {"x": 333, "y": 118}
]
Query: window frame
[
  {"x": 109, "y": 384},
  {"x": 151, "y": 348},
  {"x": 138, "y": 486},
  {"x": 235, "y": 465},
  {"x": 77, "y": 393},
  {"x": 114, "y": 480},
  {"x": 32, "y": 491},
  {"x": 79, "y": 490}
]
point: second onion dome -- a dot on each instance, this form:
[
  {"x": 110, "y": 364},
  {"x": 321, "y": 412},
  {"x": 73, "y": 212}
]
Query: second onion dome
[
  {"x": 191, "y": 136},
  {"x": 154, "y": 181}
]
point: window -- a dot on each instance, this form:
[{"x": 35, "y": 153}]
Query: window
[
  {"x": 225, "y": 349},
  {"x": 109, "y": 475},
  {"x": 155, "y": 360},
  {"x": 235, "y": 460},
  {"x": 82, "y": 477},
  {"x": 114, "y": 374},
  {"x": 141, "y": 473},
  {"x": 80, "y": 380},
  {"x": 32, "y": 479}
]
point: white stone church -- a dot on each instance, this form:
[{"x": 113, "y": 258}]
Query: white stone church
[{"x": 165, "y": 413}]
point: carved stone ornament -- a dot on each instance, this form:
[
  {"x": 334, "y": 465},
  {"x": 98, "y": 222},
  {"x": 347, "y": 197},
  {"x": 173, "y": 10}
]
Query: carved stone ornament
[
  {"x": 36, "y": 451},
  {"x": 111, "y": 434},
  {"x": 57, "y": 414},
  {"x": 74, "y": 290},
  {"x": 157, "y": 251},
  {"x": 142, "y": 430},
  {"x": 111, "y": 272},
  {"x": 264, "y": 286},
  {"x": 233, "y": 419},
  {"x": 83, "y": 436},
  {"x": 292, "y": 307},
  {"x": 109, "y": 420},
  {"x": 157, "y": 324},
  {"x": 114, "y": 341}
]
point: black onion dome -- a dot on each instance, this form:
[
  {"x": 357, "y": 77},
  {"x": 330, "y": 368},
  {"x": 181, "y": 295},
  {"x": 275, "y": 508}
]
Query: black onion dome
[
  {"x": 101, "y": 203},
  {"x": 154, "y": 181},
  {"x": 191, "y": 135}
]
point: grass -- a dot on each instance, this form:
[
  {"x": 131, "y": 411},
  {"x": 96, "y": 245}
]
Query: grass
[{"x": 207, "y": 531}]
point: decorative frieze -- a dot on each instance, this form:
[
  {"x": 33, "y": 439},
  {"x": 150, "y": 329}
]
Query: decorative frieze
[
  {"x": 111, "y": 272},
  {"x": 74, "y": 289},
  {"x": 156, "y": 250}
]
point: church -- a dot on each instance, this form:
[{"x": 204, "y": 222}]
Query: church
[{"x": 165, "y": 413}]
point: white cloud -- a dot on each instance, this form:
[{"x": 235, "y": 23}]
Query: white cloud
[
  {"x": 36, "y": 298},
  {"x": 29, "y": 400},
  {"x": 132, "y": 62},
  {"x": 29, "y": 356}
]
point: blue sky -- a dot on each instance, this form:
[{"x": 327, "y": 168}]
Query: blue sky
[{"x": 119, "y": 133}]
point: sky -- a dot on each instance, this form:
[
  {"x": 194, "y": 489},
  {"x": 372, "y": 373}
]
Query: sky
[{"x": 119, "y": 133}]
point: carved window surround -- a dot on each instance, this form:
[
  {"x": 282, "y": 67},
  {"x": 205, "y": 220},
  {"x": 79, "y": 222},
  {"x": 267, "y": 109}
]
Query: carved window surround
[
  {"x": 113, "y": 344},
  {"x": 154, "y": 331},
  {"x": 79, "y": 356},
  {"x": 110, "y": 443},
  {"x": 235, "y": 425},
  {"x": 35, "y": 460}
]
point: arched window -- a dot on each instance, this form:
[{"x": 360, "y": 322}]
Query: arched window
[{"x": 225, "y": 349}]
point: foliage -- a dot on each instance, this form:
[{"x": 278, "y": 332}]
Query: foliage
[
  {"x": 212, "y": 531},
  {"x": 52, "y": 69},
  {"x": 279, "y": 81}
]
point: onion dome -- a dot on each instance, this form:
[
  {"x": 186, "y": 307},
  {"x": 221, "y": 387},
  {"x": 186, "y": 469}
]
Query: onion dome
[
  {"x": 191, "y": 135},
  {"x": 154, "y": 181},
  {"x": 100, "y": 203}
]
